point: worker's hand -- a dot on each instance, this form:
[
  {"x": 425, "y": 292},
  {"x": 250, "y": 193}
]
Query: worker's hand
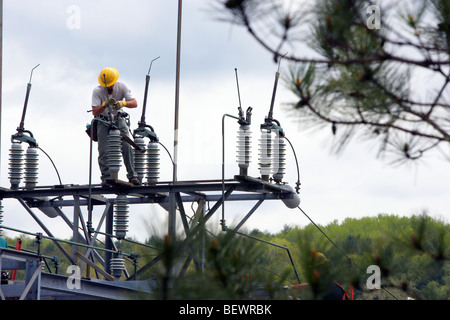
[
  {"x": 112, "y": 102},
  {"x": 119, "y": 104}
]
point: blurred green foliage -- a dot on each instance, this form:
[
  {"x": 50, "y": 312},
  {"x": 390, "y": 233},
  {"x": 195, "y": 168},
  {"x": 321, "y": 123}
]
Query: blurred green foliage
[{"x": 411, "y": 252}]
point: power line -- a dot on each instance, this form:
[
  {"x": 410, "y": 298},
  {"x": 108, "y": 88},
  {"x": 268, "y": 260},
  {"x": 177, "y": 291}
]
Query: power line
[{"x": 340, "y": 250}]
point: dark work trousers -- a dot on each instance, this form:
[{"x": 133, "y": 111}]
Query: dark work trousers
[{"x": 127, "y": 149}]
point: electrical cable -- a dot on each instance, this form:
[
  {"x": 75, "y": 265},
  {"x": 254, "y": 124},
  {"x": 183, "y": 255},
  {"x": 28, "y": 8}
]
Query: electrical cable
[
  {"x": 329, "y": 239},
  {"x": 323, "y": 232},
  {"x": 170, "y": 156},
  {"x": 54, "y": 166},
  {"x": 296, "y": 162},
  {"x": 340, "y": 250}
]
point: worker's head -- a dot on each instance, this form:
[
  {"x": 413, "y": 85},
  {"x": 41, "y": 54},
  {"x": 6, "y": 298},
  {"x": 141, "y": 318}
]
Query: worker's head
[{"x": 110, "y": 75}]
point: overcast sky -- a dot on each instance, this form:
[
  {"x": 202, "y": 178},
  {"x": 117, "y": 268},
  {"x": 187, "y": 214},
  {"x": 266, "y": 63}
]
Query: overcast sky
[{"x": 73, "y": 40}]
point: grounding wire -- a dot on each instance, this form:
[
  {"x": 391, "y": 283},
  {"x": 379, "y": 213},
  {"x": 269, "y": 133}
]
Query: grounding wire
[
  {"x": 54, "y": 166},
  {"x": 329, "y": 239},
  {"x": 170, "y": 156},
  {"x": 296, "y": 162},
  {"x": 323, "y": 232}
]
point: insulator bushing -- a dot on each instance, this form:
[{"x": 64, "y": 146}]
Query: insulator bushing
[
  {"x": 114, "y": 152},
  {"x": 121, "y": 216},
  {"x": 15, "y": 164},
  {"x": 140, "y": 159},
  {"x": 117, "y": 265},
  {"x": 152, "y": 162},
  {"x": 243, "y": 148},
  {"x": 265, "y": 154},
  {"x": 279, "y": 158},
  {"x": 31, "y": 167}
]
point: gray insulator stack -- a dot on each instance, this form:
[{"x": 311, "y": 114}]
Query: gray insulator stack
[
  {"x": 243, "y": 149},
  {"x": 15, "y": 164},
  {"x": 279, "y": 158},
  {"x": 121, "y": 216},
  {"x": 117, "y": 266},
  {"x": 152, "y": 162},
  {"x": 31, "y": 167},
  {"x": 265, "y": 154},
  {"x": 114, "y": 153},
  {"x": 140, "y": 159}
]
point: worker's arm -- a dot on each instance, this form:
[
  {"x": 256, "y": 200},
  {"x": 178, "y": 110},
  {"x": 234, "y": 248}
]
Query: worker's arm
[
  {"x": 96, "y": 110},
  {"x": 131, "y": 104}
]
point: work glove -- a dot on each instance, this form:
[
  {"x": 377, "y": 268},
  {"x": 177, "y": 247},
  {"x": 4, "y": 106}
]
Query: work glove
[
  {"x": 112, "y": 102},
  {"x": 119, "y": 104}
]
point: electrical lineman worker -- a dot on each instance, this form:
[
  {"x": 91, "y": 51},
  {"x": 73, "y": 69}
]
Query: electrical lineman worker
[{"x": 119, "y": 96}]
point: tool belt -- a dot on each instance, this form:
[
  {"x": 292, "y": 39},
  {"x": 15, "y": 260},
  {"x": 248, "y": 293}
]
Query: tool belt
[
  {"x": 92, "y": 129},
  {"x": 114, "y": 117},
  {"x": 94, "y": 137}
]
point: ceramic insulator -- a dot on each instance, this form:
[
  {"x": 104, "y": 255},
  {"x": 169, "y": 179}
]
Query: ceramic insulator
[
  {"x": 140, "y": 159},
  {"x": 265, "y": 153},
  {"x": 279, "y": 158},
  {"x": 121, "y": 216},
  {"x": 31, "y": 167},
  {"x": 152, "y": 162},
  {"x": 114, "y": 151},
  {"x": 15, "y": 164},
  {"x": 244, "y": 146}
]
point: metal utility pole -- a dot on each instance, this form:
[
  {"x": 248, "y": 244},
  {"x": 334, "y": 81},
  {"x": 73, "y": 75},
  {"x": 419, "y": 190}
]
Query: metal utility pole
[
  {"x": 177, "y": 92},
  {"x": 172, "y": 202}
]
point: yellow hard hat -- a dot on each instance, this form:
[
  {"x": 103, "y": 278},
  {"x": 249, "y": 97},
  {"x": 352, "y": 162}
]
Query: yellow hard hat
[{"x": 110, "y": 75}]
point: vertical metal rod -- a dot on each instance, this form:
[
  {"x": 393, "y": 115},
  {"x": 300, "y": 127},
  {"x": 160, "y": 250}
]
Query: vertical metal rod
[
  {"x": 172, "y": 202},
  {"x": 89, "y": 223},
  {"x": 25, "y": 104},
  {"x": 147, "y": 82},
  {"x": 177, "y": 92},
  {"x": 222, "y": 221},
  {"x": 109, "y": 245},
  {"x": 202, "y": 255},
  {"x": 237, "y": 84},
  {"x": 76, "y": 219},
  {"x": 275, "y": 85}
]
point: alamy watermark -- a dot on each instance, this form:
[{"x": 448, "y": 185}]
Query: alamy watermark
[
  {"x": 73, "y": 282},
  {"x": 374, "y": 17},
  {"x": 73, "y": 21},
  {"x": 374, "y": 280}
]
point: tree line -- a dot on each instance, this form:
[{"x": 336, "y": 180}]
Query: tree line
[{"x": 411, "y": 255}]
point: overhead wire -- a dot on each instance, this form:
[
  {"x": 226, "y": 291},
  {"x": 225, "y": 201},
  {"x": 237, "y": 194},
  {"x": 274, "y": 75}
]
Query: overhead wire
[
  {"x": 54, "y": 166},
  {"x": 320, "y": 229},
  {"x": 340, "y": 250},
  {"x": 296, "y": 163}
]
